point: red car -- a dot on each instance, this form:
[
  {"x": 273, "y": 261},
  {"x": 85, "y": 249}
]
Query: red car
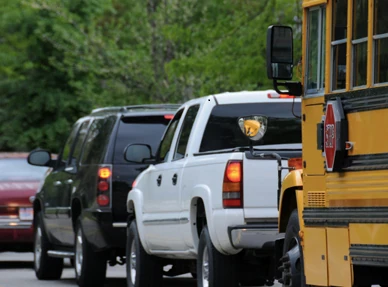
[{"x": 19, "y": 182}]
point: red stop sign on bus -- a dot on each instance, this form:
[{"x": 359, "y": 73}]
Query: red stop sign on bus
[{"x": 330, "y": 136}]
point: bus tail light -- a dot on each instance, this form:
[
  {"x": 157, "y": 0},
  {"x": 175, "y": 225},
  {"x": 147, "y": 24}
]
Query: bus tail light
[
  {"x": 232, "y": 190},
  {"x": 296, "y": 163},
  {"x": 104, "y": 182}
]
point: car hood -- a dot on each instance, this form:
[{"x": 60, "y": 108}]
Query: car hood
[{"x": 17, "y": 193}]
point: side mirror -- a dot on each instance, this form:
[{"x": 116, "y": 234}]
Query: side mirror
[
  {"x": 253, "y": 127},
  {"x": 39, "y": 157},
  {"x": 279, "y": 53},
  {"x": 138, "y": 153}
]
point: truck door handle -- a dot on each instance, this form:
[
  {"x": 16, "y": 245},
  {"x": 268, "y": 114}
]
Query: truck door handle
[
  {"x": 174, "y": 179},
  {"x": 57, "y": 183},
  {"x": 159, "y": 180}
]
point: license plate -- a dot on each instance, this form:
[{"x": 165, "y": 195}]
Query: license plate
[{"x": 26, "y": 213}]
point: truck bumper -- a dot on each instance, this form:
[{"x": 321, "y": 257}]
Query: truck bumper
[
  {"x": 102, "y": 232},
  {"x": 254, "y": 236}
]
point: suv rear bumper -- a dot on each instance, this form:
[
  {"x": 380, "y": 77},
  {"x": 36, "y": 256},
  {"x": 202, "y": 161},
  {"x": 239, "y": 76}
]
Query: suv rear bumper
[
  {"x": 254, "y": 236},
  {"x": 101, "y": 231}
]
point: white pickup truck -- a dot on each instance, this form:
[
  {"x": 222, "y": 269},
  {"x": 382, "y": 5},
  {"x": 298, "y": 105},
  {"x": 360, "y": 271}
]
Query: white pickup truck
[{"x": 208, "y": 202}]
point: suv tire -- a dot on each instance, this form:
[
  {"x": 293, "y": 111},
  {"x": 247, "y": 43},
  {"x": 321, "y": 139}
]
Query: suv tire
[
  {"x": 46, "y": 267},
  {"x": 142, "y": 269},
  {"x": 213, "y": 268},
  {"x": 90, "y": 266}
]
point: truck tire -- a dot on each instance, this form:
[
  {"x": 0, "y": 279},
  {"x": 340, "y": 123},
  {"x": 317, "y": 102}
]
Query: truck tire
[
  {"x": 292, "y": 260},
  {"x": 213, "y": 268},
  {"x": 143, "y": 270},
  {"x": 46, "y": 267},
  {"x": 90, "y": 266}
]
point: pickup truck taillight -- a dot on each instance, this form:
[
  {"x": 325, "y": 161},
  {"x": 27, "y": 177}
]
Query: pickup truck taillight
[
  {"x": 296, "y": 163},
  {"x": 232, "y": 190},
  {"x": 103, "y": 186}
]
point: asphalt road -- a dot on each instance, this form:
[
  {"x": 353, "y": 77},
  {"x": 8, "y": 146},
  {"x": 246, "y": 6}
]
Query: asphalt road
[{"x": 16, "y": 270}]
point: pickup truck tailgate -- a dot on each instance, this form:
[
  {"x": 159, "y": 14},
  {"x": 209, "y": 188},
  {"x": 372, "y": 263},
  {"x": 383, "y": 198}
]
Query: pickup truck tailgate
[{"x": 260, "y": 188}]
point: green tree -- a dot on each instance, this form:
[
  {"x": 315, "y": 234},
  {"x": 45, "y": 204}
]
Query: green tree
[{"x": 60, "y": 59}]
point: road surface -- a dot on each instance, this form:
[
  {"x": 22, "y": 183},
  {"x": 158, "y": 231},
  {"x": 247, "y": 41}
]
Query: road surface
[{"x": 16, "y": 270}]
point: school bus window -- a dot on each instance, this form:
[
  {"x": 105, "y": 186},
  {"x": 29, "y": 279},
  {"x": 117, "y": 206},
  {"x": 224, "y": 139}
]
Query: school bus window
[
  {"x": 338, "y": 44},
  {"x": 360, "y": 41},
  {"x": 315, "y": 51},
  {"x": 380, "y": 38}
]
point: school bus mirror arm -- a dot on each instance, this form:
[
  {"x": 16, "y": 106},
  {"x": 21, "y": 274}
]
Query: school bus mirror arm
[{"x": 292, "y": 88}]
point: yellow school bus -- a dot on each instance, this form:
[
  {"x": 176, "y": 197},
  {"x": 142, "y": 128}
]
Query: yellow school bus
[{"x": 334, "y": 209}]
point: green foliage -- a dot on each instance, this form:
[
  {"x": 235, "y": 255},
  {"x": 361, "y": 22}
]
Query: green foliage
[{"x": 62, "y": 58}]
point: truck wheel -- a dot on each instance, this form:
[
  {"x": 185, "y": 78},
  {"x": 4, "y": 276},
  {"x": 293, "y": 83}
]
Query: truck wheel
[
  {"x": 46, "y": 267},
  {"x": 292, "y": 260},
  {"x": 142, "y": 269},
  {"x": 213, "y": 268},
  {"x": 90, "y": 266}
]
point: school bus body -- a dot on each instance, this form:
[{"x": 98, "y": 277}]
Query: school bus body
[{"x": 341, "y": 193}]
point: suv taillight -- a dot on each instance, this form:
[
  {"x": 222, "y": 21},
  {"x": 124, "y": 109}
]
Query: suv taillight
[
  {"x": 104, "y": 185},
  {"x": 232, "y": 189}
]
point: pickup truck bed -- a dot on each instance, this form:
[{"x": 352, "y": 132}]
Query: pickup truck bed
[{"x": 207, "y": 187}]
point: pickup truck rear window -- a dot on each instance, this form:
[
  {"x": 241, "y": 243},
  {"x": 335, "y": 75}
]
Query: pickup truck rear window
[
  {"x": 147, "y": 130},
  {"x": 223, "y": 132}
]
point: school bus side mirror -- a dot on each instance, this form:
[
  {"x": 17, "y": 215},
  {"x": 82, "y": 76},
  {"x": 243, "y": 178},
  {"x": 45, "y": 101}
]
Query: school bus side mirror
[
  {"x": 280, "y": 60},
  {"x": 279, "y": 53}
]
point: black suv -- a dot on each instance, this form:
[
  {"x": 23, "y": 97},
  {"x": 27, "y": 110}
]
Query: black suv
[{"x": 80, "y": 211}]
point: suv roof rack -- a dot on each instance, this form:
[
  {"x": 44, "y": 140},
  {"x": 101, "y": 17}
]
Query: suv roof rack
[{"x": 137, "y": 107}]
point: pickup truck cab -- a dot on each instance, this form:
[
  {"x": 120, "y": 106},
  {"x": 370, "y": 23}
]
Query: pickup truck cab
[{"x": 208, "y": 202}]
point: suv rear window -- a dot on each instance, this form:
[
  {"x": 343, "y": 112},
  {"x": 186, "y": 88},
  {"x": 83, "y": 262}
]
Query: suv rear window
[
  {"x": 140, "y": 130},
  {"x": 20, "y": 170},
  {"x": 223, "y": 132}
]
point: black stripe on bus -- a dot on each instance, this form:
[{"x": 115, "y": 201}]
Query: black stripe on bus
[
  {"x": 369, "y": 255},
  {"x": 342, "y": 216},
  {"x": 362, "y": 100},
  {"x": 366, "y": 162}
]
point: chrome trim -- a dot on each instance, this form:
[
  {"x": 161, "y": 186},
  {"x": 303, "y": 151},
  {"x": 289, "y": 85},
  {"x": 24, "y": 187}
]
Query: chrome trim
[
  {"x": 205, "y": 268},
  {"x": 31, "y": 198},
  {"x": 133, "y": 262},
  {"x": 380, "y": 36},
  {"x": 79, "y": 258},
  {"x": 60, "y": 254},
  {"x": 14, "y": 223},
  {"x": 165, "y": 221},
  {"x": 339, "y": 42},
  {"x": 359, "y": 41},
  {"x": 69, "y": 168},
  {"x": 252, "y": 237},
  {"x": 119, "y": 224},
  {"x": 8, "y": 217}
]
